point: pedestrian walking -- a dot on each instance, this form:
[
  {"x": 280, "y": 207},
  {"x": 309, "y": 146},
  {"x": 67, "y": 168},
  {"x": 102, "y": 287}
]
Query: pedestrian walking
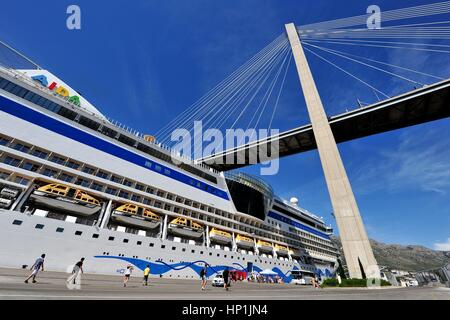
[
  {"x": 75, "y": 277},
  {"x": 146, "y": 274},
  {"x": 36, "y": 267},
  {"x": 127, "y": 275},
  {"x": 226, "y": 278},
  {"x": 203, "y": 274}
]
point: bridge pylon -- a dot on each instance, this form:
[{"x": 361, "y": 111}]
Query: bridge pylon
[{"x": 357, "y": 249}]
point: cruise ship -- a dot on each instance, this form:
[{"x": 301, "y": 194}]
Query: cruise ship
[{"x": 75, "y": 184}]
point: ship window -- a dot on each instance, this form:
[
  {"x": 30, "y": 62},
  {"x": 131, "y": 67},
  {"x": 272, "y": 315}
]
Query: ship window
[
  {"x": 127, "y": 183},
  {"x": 96, "y": 186},
  {"x": 124, "y": 194},
  {"x": 111, "y": 238},
  {"x": 150, "y": 190},
  {"x": 88, "y": 170},
  {"x": 116, "y": 179},
  {"x": 21, "y": 147},
  {"x": 66, "y": 113},
  {"x": 108, "y": 132},
  {"x": 174, "y": 248},
  {"x": 78, "y": 233},
  {"x": 4, "y": 141},
  {"x": 21, "y": 180},
  {"x": 192, "y": 251},
  {"x": 139, "y": 243},
  {"x": 39, "y": 226},
  {"x": 151, "y": 244},
  {"x": 95, "y": 235},
  {"x": 60, "y": 230},
  {"x": 89, "y": 123},
  {"x": 184, "y": 249},
  {"x": 73, "y": 165},
  {"x": 57, "y": 159},
  {"x": 163, "y": 246},
  {"x": 30, "y": 166},
  {"x": 110, "y": 190},
  {"x": 3, "y": 83},
  {"x": 80, "y": 182},
  {"x": 135, "y": 198},
  {"x": 40, "y": 154},
  {"x": 17, "y": 222},
  {"x": 127, "y": 140},
  {"x": 65, "y": 177},
  {"x": 140, "y": 187},
  {"x": 102, "y": 174},
  {"x": 125, "y": 240},
  {"x": 49, "y": 172},
  {"x": 210, "y": 253},
  {"x": 4, "y": 175}
]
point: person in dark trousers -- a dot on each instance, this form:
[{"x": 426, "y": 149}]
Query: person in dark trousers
[
  {"x": 146, "y": 274},
  {"x": 203, "y": 273},
  {"x": 36, "y": 267},
  {"x": 226, "y": 278},
  {"x": 77, "y": 269}
]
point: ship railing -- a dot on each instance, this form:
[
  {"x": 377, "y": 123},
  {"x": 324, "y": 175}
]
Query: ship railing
[
  {"x": 19, "y": 75},
  {"x": 156, "y": 143},
  {"x": 303, "y": 210}
]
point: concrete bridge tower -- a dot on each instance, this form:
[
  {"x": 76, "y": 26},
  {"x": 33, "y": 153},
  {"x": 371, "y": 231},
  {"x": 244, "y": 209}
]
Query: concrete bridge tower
[{"x": 358, "y": 252}]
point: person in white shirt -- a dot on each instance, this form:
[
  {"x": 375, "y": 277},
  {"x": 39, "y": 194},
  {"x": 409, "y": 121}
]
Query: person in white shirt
[{"x": 127, "y": 275}]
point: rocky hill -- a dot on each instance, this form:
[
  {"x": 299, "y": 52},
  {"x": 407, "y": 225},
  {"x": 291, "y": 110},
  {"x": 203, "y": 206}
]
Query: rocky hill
[{"x": 409, "y": 258}]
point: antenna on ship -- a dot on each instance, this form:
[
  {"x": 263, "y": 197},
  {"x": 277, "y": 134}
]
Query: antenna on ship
[{"x": 19, "y": 54}]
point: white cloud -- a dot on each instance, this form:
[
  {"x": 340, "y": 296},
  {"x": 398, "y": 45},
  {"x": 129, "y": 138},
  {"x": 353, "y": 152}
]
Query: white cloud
[
  {"x": 443, "y": 246},
  {"x": 420, "y": 161}
]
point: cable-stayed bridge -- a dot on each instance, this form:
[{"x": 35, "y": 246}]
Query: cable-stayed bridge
[
  {"x": 253, "y": 85},
  {"x": 252, "y": 96},
  {"x": 412, "y": 108}
]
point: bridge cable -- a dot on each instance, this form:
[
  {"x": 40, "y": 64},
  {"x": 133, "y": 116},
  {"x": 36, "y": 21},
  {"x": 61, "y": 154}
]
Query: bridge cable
[
  {"x": 347, "y": 72},
  {"x": 376, "y": 61}
]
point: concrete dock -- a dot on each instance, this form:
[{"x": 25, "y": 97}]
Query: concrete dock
[{"x": 52, "y": 286}]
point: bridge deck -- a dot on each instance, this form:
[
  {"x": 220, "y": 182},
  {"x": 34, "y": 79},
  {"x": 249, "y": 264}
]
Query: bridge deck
[{"x": 419, "y": 106}]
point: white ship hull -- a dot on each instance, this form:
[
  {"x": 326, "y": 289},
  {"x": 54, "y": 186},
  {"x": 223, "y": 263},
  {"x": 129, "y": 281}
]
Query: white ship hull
[{"x": 103, "y": 256}]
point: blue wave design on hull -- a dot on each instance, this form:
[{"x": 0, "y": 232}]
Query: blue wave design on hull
[{"x": 160, "y": 267}]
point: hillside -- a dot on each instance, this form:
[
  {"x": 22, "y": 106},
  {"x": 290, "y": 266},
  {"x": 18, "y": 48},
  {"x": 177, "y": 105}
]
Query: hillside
[{"x": 409, "y": 258}]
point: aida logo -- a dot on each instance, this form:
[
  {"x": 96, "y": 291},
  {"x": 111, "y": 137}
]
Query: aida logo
[{"x": 60, "y": 90}]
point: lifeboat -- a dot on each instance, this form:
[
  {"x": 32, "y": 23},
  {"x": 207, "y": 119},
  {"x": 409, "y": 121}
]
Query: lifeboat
[
  {"x": 295, "y": 253},
  {"x": 183, "y": 227},
  {"x": 264, "y": 246},
  {"x": 280, "y": 249},
  {"x": 66, "y": 199},
  {"x": 135, "y": 216},
  {"x": 220, "y": 236},
  {"x": 245, "y": 242}
]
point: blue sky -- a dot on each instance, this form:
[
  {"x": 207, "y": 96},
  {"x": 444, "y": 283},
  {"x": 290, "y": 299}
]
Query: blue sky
[{"x": 144, "y": 62}]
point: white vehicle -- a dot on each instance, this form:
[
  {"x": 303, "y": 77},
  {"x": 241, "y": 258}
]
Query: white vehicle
[{"x": 218, "y": 281}]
